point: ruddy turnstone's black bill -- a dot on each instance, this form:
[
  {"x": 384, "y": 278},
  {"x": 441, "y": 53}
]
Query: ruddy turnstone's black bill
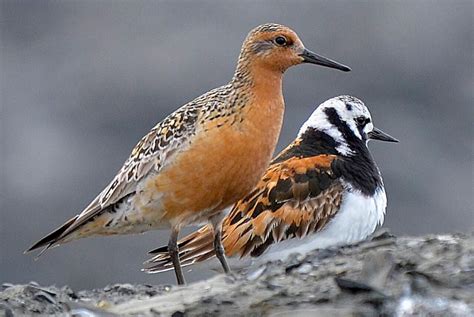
[{"x": 377, "y": 134}]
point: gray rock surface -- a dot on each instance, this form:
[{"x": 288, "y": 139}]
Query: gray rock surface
[{"x": 431, "y": 275}]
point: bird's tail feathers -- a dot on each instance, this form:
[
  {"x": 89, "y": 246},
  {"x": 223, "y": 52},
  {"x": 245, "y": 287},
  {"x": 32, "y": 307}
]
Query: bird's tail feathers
[
  {"x": 52, "y": 239},
  {"x": 195, "y": 247}
]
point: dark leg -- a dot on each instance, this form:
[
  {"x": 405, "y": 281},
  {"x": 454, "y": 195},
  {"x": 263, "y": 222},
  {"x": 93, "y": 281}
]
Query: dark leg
[
  {"x": 174, "y": 255},
  {"x": 216, "y": 222}
]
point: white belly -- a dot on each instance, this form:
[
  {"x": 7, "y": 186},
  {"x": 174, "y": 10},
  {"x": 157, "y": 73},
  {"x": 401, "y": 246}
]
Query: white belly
[{"x": 358, "y": 217}]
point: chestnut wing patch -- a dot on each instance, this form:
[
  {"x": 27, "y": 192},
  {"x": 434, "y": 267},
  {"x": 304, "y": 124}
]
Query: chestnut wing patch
[{"x": 295, "y": 198}]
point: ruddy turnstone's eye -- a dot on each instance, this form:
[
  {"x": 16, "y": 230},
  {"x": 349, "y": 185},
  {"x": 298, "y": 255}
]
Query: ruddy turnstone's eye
[
  {"x": 361, "y": 121},
  {"x": 280, "y": 40}
]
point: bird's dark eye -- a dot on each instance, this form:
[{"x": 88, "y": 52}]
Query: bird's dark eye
[
  {"x": 280, "y": 40},
  {"x": 362, "y": 120}
]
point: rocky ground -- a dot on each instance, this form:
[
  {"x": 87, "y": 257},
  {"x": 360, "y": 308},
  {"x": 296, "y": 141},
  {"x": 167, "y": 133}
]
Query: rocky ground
[{"x": 386, "y": 276}]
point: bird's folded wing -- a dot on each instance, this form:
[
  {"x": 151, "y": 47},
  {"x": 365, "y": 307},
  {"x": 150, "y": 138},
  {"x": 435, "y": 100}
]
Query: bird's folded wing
[
  {"x": 295, "y": 198},
  {"x": 153, "y": 152}
]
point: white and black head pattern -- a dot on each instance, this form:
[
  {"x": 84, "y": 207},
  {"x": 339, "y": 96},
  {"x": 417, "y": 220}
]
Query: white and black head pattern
[
  {"x": 342, "y": 126},
  {"x": 345, "y": 119}
]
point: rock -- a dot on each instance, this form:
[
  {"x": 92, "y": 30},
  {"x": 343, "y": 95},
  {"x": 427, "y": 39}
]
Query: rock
[{"x": 431, "y": 275}]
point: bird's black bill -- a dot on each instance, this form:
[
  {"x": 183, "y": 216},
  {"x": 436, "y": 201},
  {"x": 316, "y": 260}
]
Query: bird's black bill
[
  {"x": 310, "y": 57},
  {"x": 377, "y": 134}
]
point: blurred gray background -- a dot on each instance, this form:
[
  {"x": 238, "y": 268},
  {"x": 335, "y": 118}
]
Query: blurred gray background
[{"x": 83, "y": 81}]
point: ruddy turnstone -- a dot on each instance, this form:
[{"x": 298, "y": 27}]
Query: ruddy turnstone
[{"x": 323, "y": 190}]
